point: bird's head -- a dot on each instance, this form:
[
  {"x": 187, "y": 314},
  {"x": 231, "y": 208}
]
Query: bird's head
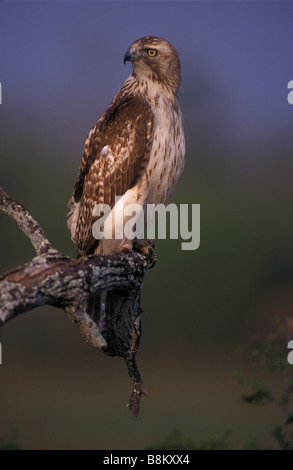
[{"x": 155, "y": 59}]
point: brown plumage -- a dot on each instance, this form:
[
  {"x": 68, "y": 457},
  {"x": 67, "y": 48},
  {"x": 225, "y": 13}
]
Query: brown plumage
[{"x": 136, "y": 149}]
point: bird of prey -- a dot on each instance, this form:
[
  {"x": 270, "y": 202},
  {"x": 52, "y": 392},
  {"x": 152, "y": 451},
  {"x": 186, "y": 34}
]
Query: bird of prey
[{"x": 136, "y": 149}]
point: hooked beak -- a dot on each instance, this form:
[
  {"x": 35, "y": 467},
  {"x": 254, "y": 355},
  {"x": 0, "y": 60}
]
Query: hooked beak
[{"x": 130, "y": 55}]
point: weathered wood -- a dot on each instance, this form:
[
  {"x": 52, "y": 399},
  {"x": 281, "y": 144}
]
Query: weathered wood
[
  {"x": 26, "y": 222},
  {"x": 54, "y": 279}
]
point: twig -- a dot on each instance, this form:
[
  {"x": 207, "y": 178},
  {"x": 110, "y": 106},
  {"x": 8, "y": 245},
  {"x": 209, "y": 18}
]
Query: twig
[{"x": 26, "y": 223}]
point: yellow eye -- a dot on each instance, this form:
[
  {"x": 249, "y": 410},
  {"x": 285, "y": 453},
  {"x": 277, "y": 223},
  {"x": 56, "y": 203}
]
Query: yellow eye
[{"x": 152, "y": 52}]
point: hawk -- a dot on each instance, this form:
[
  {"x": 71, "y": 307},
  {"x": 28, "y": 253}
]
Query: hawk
[{"x": 136, "y": 149}]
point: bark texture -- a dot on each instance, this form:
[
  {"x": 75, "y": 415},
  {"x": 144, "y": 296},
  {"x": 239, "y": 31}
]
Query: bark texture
[{"x": 54, "y": 279}]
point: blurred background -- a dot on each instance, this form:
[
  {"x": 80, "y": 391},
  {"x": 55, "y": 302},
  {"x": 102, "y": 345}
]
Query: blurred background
[{"x": 61, "y": 64}]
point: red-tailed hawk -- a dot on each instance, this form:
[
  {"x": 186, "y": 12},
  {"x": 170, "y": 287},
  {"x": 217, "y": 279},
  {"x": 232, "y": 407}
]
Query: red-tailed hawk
[{"x": 136, "y": 149}]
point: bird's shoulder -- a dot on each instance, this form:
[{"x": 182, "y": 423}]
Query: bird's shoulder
[{"x": 125, "y": 129}]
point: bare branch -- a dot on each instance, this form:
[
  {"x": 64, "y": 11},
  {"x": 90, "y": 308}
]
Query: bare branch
[
  {"x": 54, "y": 279},
  {"x": 25, "y": 222},
  {"x": 87, "y": 326},
  {"x": 60, "y": 281}
]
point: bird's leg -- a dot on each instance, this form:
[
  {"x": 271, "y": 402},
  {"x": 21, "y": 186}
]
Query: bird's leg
[
  {"x": 147, "y": 248},
  {"x": 125, "y": 247}
]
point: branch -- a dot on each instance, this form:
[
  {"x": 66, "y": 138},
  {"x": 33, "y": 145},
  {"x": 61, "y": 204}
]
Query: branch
[
  {"x": 54, "y": 279},
  {"x": 25, "y": 222}
]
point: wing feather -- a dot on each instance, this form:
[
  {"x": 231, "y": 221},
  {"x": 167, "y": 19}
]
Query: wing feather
[{"x": 115, "y": 155}]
